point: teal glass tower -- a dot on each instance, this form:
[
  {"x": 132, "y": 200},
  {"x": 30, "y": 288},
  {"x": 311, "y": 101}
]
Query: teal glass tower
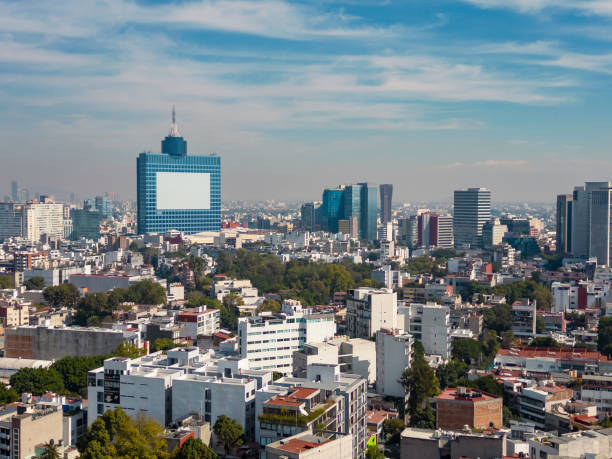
[{"x": 177, "y": 191}]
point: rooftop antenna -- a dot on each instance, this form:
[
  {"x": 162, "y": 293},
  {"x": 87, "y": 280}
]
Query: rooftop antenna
[{"x": 174, "y": 130}]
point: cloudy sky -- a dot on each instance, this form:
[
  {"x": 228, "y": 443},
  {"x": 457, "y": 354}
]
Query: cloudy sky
[{"x": 430, "y": 95}]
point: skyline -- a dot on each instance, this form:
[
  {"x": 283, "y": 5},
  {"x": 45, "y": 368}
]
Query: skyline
[{"x": 298, "y": 96}]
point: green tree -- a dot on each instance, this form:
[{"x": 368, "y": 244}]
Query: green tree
[
  {"x": 372, "y": 452},
  {"x": 419, "y": 380},
  {"x": 6, "y": 282},
  {"x": 194, "y": 448},
  {"x": 35, "y": 283},
  {"x": 131, "y": 351},
  {"x": 545, "y": 341},
  {"x": 498, "y": 318},
  {"x": 467, "y": 350},
  {"x": 163, "y": 344},
  {"x": 392, "y": 429},
  {"x": 62, "y": 295},
  {"x": 485, "y": 383},
  {"x": 147, "y": 292},
  {"x": 228, "y": 432},
  {"x": 116, "y": 435},
  {"x": 7, "y": 395},
  {"x": 448, "y": 374},
  {"x": 269, "y": 305},
  {"x": 37, "y": 381},
  {"x": 423, "y": 418},
  {"x": 604, "y": 335},
  {"x": 73, "y": 371}
]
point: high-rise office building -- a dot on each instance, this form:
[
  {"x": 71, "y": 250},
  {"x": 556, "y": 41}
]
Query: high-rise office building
[
  {"x": 14, "y": 191},
  {"x": 85, "y": 223},
  {"x": 11, "y": 220},
  {"x": 176, "y": 191},
  {"x": 386, "y": 199},
  {"x": 307, "y": 216},
  {"x": 43, "y": 219},
  {"x": 368, "y": 217},
  {"x": 407, "y": 233},
  {"x": 434, "y": 230},
  {"x": 564, "y": 223},
  {"x": 472, "y": 209},
  {"x": 346, "y": 202},
  {"x": 601, "y": 227}
]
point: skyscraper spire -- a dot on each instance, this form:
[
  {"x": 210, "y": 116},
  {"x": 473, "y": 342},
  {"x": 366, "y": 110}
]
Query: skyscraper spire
[{"x": 174, "y": 130}]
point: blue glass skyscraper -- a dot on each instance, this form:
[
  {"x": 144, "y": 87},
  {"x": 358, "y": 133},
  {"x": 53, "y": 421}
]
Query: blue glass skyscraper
[
  {"x": 177, "y": 191},
  {"x": 346, "y": 202}
]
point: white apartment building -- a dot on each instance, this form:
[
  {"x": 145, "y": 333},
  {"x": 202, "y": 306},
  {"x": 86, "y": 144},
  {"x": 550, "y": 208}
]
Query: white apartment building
[
  {"x": 47, "y": 219},
  {"x": 242, "y": 288},
  {"x": 369, "y": 310},
  {"x": 393, "y": 355},
  {"x": 430, "y": 324},
  {"x": 199, "y": 322},
  {"x": 389, "y": 277},
  {"x": 169, "y": 387},
  {"x": 269, "y": 340}
]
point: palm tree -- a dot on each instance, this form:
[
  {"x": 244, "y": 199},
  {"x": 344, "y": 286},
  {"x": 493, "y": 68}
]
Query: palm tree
[{"x": 50, "y": 451}]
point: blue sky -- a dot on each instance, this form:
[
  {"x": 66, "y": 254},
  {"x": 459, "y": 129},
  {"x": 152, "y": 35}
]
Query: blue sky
[{"x": 428, "y": 95}]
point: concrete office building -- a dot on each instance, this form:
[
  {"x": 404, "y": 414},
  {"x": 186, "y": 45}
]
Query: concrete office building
[
  {"x": 472, "y": 209},
  {"x": 430, "y": 324},
  {"x": 269, "y": 340},
  {"x": 11, "y": 220},
  {"x": 43, "y": 219},
  {"x": 47, "y": 343},
  {"x": 176, "y": 191},
  {"x": 393, "y": 356},
  {"x": 435, "y": 230},
  {"x": 493, "y": 233},
  {"x": 369, "y": 310}
]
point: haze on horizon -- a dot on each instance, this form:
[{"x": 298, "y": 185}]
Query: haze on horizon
[{"x": 296, "y": 96}]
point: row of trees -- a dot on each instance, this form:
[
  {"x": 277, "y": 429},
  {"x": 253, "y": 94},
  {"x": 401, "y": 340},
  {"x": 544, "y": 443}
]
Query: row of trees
[
  {"x": 516, "y": 290},
  {"x": 312, "y": 283},
  {"x": 117, "y": 435},
  {"x": 95, "y": 308}
]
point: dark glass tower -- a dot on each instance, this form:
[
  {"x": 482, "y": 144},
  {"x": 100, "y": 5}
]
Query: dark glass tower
[
  {"x": 386, "y": 196},
  {"x": 176, "y": 191}
]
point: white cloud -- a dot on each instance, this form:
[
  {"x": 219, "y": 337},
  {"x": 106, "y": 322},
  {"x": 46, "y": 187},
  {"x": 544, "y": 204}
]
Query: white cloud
[{"x": 595, "y": 7}]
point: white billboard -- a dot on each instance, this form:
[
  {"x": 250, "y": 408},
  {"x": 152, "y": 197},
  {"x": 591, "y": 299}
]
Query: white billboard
[{"x": 183, "y": 190}]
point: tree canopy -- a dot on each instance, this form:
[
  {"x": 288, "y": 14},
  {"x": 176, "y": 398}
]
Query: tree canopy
[
  {"x": 228, "y": 432},
  {"x": 61, "y": 295},
  {"x": 94, "y": 308},
  {"x": 194, "y": 448},
  {"x": 604, "y": 336},
  {"x": 6, "y": 282},
  {"x": 35, "y": 283},
  {"x": 117, "y": 435},
  {"x": 313, "y": 283},
  {"x": 37, "y": 381},
  {"x": 516, "y": 290}
]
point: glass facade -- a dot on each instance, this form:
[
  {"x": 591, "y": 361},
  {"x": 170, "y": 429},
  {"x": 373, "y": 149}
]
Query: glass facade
[{"x": 174, "y": 159}]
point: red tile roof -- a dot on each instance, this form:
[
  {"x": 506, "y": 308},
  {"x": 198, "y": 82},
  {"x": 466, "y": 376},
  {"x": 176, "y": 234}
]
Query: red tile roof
[{"x": 295, "y": 445}]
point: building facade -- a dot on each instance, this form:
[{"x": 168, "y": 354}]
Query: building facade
[
  {"x": 369, "y": 310},
  {"x": 386, "y": 201},
  {"x": 176, "y": 191},
  {"x": 472, "y": 209}
]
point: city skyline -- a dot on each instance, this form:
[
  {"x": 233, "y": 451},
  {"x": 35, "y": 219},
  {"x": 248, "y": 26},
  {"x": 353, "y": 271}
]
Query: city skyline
[{"x": 471, "y": 93}]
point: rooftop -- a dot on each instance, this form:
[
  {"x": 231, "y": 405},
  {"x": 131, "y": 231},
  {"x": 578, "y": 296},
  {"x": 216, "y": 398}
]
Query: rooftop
[
  {"x": 465, "y": 394},
  {"x": 297, "y": 445}
]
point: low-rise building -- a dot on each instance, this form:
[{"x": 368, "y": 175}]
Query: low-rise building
[
  {"x": 459, "y": 407},
  {"x": 572, "y": 445},
  {"x": 434, "y": 444},
  {"x": 308, "y": 446},
  {"x": 198, "y": 322},
  {"x": 535, "y": 402}
]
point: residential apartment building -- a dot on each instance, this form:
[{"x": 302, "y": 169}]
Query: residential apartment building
[
  {"x": 198, "y": 322},
  {"x": 393, "y": 357},
  {"x": 269, "y": 340},
  {"x": 523, "y": 314},
  {"x": 430, "y": 324},
  {"x": 171, "y": 386},
  {"x": 25, "y": 425},
  {"x": 308, "y": 446},
  {"x": 369, "y": 310},
  {"x": 350, "y": 388},
  {"x": 535, "y": 402}
]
